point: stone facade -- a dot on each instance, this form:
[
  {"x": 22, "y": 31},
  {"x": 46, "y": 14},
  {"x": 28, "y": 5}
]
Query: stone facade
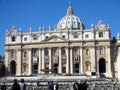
[{"x": 68, "y": 49}]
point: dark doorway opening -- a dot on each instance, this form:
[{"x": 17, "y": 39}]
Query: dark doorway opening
[
  {"x": 55, "y": 68},
  {"x": 76, "y": 68},
  {"x": 35, "y": 69},
  {"x": 13, "y": 68},
  {"x": 102, "y": 65}
]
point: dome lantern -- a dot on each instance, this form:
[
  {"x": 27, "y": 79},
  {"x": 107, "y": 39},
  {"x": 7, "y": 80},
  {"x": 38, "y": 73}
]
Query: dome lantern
[{"x": 70, "y": 11}]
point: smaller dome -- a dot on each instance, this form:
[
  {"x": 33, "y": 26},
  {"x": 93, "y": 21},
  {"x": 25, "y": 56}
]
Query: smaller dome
[{"x": 70, "y": 21}]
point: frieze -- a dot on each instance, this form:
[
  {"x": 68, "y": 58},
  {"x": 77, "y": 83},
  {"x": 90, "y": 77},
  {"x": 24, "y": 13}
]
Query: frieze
[{"x": 88, "y": 46}]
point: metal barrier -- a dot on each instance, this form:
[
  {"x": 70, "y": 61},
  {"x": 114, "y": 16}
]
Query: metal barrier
[
  {"x": 68, "y": 85},
  {"x": 107, "y": 86}
]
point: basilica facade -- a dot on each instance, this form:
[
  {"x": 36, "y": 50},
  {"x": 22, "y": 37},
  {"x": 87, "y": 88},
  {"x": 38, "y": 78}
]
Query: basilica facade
[{"x": 68, "y": 49}]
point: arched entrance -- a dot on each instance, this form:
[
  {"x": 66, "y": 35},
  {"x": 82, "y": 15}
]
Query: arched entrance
[
  {"x": 102, "y": 65},
  {"x": 12, "y": 67}
]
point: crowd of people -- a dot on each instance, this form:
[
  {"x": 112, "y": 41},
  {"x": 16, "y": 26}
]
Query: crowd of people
[
  {"x": 51, "y": 86},
  {"x": 16, "y": 85},
  {"x": 80, "y": 86},
  {"x": 22, "y": 85}
]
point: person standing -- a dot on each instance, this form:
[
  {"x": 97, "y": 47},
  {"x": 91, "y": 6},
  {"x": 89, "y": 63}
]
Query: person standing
[
  {"x": 15, "y": 85},
  {"x": 55, "y": 86},
  {"x": 50, "y": 85},
  {"x": 76, "y": 86},
  {"x": 22, "y": 85},
  {"x": 84, "y": 86}
]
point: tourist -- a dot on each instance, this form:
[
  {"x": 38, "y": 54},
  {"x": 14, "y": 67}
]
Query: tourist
[
  {"x": 50, "y": 86},
  {"x": 80, "y": 85},
  {"x": 15, "y": 85},
  {"x": 3, "y": 86},
  {"x": 84, "y": 86},
  {"x": 22, "y": 85},
  {"x": 55, "y": 86},
  {"x": 76, "y": 86}
]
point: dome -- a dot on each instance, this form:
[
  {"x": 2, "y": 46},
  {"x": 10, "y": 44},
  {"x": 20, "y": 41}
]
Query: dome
[{"x": 70, "y": 21}]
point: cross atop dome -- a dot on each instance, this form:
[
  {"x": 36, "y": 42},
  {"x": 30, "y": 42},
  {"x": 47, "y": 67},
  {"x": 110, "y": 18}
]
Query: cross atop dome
[{"x": 69, "y": 3}]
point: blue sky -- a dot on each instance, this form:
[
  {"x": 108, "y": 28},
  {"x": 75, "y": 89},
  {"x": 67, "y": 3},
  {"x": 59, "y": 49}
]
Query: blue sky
[{"x": 34, "y": 13}]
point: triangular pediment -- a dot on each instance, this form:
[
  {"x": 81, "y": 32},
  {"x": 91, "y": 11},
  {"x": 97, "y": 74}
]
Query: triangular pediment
[{"x": 54, "y": 38}]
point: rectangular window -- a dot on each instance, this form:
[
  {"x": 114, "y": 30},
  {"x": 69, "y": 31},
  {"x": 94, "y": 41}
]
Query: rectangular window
[
  {"x": 75, "y": 36},
  {"x": 13, "y": 39},
  {"x": 75, "y": 51},
  {"x": 35, "y": 38},
  {"x": 100, "y": 34},
  {"x": 25, "y": 39},
  {"x": 55, "y": 51},
  {"x": 35, "y": 53},
  {"x": 86, "y": 36}
]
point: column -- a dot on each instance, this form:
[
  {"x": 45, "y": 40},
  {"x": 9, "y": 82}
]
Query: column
[
  {"x": 43, "y": 59},
  {"x": 71, "y": 61},
  {"x": 19, "y": 63},
  {"x": 81, "y": 59},
  {"x": 67, "y": 60},
  {"x": 93, "y": 63},
  {"x": 108, "y": 62},
  {"x": 60, "y": 61},
  {"x": 50, "y": 61},
  {"x": 40, "y": 61},
  {"x": 30, "y": 62},
  {"x": 6, "y": 58}
]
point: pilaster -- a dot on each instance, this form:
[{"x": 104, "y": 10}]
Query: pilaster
[
  {"x": 30, "y": 62},
  {"x": 94, "y": 65},
  {"x": 43, "y": 59},
  {"x": 40, "y": 61},
  {"x": 19, "y": 62},
  {"x": 67, "y": 60},
  {"x": 108, "y": 62},
  {"x": 50, "y": 61},
  {"x": 81, "y": 60},
  {"x": 71, "y": 60}
]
